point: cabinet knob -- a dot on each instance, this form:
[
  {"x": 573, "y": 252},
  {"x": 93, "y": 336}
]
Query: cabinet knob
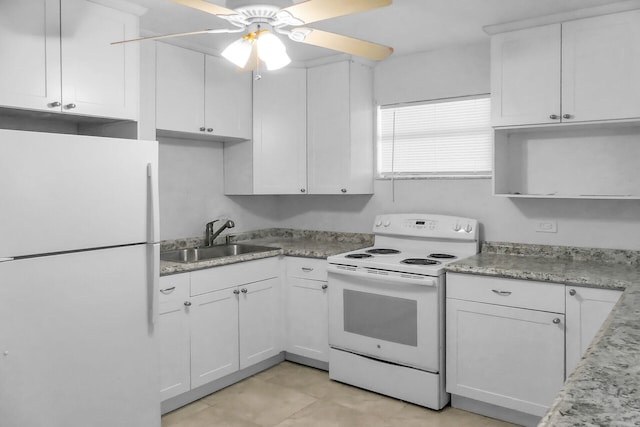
[
  {"x": 202, "y": 129},
  {"x": 237, "y": 292},
  {"x": 70, "y": 106},
  {"x": 566, "y": 116},
  {"x": 209, "y": 129},
  {"x": 54, "y": 104},
  {"x": 572, "y": 292},
  {"x": 553, "y": 117},
  {"x": 325, "y": 286},
  {"x": 303, "y": 190},
  {"x": 556, "y": 321},
  {"x": 244, "y": 290},
  {"x": 187, "y": 303},
  {"x": 343, "y": 190}
]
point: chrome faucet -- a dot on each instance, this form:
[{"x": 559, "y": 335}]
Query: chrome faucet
[{"x": 211, "y": 235}]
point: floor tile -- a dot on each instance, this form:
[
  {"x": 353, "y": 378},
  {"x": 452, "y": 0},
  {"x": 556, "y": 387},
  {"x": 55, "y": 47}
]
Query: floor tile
[
  {"x": 175, "y": 418},
  {"x": 332, "y": 414}
]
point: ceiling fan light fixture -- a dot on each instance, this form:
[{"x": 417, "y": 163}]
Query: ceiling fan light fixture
[
  {"x": 272, "y": 51},
  {"x": 239, "y": 51}
]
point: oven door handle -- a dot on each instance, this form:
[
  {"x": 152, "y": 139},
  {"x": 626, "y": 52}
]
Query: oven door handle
[{"x": 373, "y": 274}]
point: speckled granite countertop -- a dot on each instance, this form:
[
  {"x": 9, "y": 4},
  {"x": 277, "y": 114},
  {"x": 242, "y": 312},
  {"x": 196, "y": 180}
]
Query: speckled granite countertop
[
  {"x": 604, "y": 390},
  {"x": 284, "y": 241}
]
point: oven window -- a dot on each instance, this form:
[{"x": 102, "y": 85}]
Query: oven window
[{"x": 382, "y": 317}]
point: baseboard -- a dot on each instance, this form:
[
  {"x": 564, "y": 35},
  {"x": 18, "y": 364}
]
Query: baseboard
[
  {"x": 493, "y": 411},
  {"x": 307, "y": 361}
]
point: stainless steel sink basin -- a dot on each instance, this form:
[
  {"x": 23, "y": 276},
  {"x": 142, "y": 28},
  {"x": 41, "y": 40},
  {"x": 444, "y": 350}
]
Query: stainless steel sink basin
[{"x": 211, "y": 252}]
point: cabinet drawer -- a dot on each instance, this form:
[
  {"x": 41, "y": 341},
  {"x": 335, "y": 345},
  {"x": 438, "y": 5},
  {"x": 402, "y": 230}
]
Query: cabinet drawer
[
  {"x": 174, "y": 289},
  {"x": 307, "y": 268},
  {"x": 227, "y": 276},
  {"x": 509, "y": 292}
]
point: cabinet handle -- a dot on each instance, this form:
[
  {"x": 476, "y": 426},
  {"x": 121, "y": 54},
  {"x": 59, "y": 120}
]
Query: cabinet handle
[
  {"x": 237, "y": 292},
  {"x": 54, "y": 104},
  {"x": 303, "y": 190},
  {"x": 202, "y": 129},
  {"x": 556, "y": 321},
  {"x": 343, "y": 190},
  {"x": 307, "y": 269},
  {"x": 209, "y": 129},
  {"x": 168, "y": 290},
  {"x": 553, "y": 117},
  {"x": 244, "y": 290},
  {"x": 566, "y": 116},
  {"x": 572, "y": 292},
  {"x": 187, "y": 303},
  {"x": 325, "y": 286},
  {"x": 70, "y": 106},
  {"x": 501, "y": 293}
]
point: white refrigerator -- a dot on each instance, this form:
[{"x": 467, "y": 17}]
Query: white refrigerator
[{"x": 79, "y": 261}]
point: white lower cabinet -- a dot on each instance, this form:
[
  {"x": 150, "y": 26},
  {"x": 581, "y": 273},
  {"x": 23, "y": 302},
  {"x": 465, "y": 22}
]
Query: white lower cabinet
[
  {"x": 505, "y": 342},
  {"x": 587, "y": 309},
  {"x": 216, "y": 321},
  {"x": 307, "y": 308}
]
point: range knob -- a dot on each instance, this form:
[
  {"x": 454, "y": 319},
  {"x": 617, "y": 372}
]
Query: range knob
[
  {"x": 468, "y": 228},
  {"x": 457, "y": 227},
  {"x": 386, "y": 223},
  {"x": 378, "y": 223}
]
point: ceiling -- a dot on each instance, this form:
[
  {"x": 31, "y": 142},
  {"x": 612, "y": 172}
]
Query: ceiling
[{"x": 409, "y": 26}]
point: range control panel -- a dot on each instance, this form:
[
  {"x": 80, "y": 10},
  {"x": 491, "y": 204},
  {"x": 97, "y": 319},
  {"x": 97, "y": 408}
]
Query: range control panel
[{"x": 426, "y": 225}]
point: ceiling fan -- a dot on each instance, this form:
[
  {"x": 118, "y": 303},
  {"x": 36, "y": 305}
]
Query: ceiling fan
[{"x": 260, "y": 23}]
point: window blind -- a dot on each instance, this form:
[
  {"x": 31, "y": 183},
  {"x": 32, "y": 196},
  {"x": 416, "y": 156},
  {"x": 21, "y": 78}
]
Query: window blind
[{"x": 450, "y": 137}]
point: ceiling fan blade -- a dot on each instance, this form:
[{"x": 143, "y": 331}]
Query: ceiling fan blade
[
  {"x": 204, "y": 6},
  {"x": 165, "y": 36},
  {"x": 319, "y": 10},
  {"x": 344, "y": 44}
]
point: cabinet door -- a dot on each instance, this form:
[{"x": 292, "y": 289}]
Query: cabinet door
[
  {"x": 600, "y": 67},
  {"x": 228, "y": 101},
  {"x": 259, "y": 321},
  {"x": 279, "y": 132},
  {"x": 509, "y": 357},
  {"x": 98, "y": 79},
  {"x": 307, "y": 318},
  {"x": 525, "y": 76},
  {"x": 179, "y": 89},
  {"x": 30, "y": 54},
  {"x": 587, "y": 309},
  {"x": 214, "y": 336},
  {"x": 172, "y": 334}
]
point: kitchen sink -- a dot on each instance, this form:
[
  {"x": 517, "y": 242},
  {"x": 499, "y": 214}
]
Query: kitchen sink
[{"x": 211, "y": 252}]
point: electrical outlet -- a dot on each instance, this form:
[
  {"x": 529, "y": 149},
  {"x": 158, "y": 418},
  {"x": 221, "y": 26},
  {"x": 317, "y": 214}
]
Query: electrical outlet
[{"x": 547, "y": 226}]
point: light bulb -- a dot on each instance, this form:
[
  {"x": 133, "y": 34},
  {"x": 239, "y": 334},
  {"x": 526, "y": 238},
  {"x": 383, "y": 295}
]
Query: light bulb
[
  {"x": 272, "y": 51},
  {"x": 238, "y": 52}
]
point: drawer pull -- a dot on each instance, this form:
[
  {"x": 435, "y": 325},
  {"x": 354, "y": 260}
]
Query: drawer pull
[
  {"x": 307, "y": 269},
  {"x": 556, "y": 321},
  {"x": 168, "y": 290},
  {"x": 325, "y": 286},
  {"x": 501, "y": 293}
]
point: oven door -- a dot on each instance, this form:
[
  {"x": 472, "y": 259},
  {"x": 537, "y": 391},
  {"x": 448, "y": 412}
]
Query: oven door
[{"x": 386, "y": 317}]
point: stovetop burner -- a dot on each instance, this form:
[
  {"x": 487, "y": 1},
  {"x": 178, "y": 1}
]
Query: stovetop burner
[
  {"x": 441, "y": 256},
  {"x": 419, "y": 261},
  {"x": 358, "y": 256},
  {"x": 383, "y": 251}
]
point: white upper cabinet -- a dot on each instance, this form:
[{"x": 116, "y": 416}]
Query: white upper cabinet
[
  {"x": 57, "y": 57},
  {"x": 579, "y": 71},
  {"x": 340, "y": 129},
  {"x": 201, "y": 95}
]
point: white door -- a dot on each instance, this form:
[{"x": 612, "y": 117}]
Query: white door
[
  {"x": 279, "y": 132},
  {"x": 525, "y": 76},
  {"x": 179, "y": 89},
  {"x": 67, "y": 192},
  {"x": 30, "y": 54},
  {"x": 395, "y": 322},
  {"x": 259, "y": 320},
  {"x": 214, "y": 336},
  {"x": 98, "y": 78},
  {"x": 173, "y": 336},
  {"x": 587, "y": 309},
  {"x": 308, "y": 318},
  {"x": 505, "y": 356},
  {"x": 76, "y": 345},
  {"x": 600, "y": 67},
  {"x": 228, "y": 99}
]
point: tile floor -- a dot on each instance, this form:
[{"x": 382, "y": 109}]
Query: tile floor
[{"x": 289, "y": 395}]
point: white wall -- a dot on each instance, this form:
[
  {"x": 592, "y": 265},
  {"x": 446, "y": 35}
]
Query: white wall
[{"x": 440, "y": 74}]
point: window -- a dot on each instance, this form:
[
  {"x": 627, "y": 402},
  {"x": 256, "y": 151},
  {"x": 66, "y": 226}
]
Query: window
[{"x": 443, "y": 138}]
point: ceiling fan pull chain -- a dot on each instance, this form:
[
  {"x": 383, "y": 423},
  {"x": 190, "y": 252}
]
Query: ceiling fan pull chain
[{"x": 258, "y": 76}]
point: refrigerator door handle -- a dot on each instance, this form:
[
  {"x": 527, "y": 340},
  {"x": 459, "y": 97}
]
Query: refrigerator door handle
[
  {"x": 153, "y": 282},
  {"x": 153, "y": 207}
]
